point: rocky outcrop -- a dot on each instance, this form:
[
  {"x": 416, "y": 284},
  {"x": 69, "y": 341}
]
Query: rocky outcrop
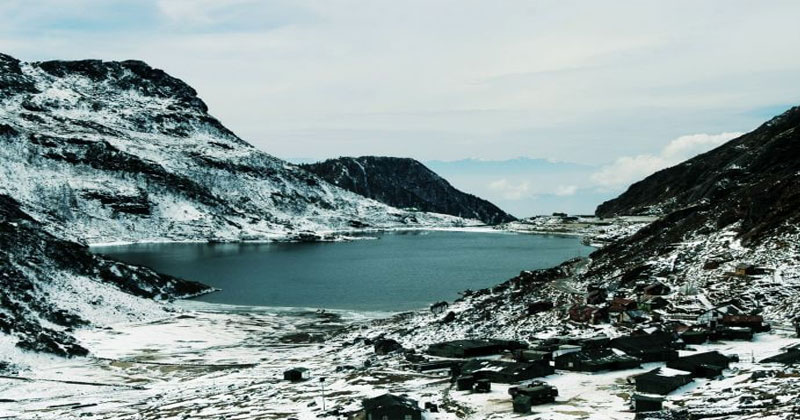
[
  {"x": 49, "y": 286},
  {"x": 405, "y": 183}
]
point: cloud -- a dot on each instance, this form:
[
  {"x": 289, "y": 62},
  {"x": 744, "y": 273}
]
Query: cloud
[
  {"x": 566, "y": 190},
  {"x": 508, "y": 190},
  {"x": 628, "y": 169},
  {"x": 328, "y": 78}
]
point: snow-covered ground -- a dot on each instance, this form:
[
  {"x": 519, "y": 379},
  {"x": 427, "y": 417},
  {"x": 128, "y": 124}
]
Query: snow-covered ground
[{"x": 215, "y": 361}]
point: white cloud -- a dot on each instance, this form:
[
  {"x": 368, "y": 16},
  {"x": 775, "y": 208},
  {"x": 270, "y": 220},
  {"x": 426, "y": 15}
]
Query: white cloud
[
  {"x": 510, "y": 191},
  {"x": 628, "y": 169},
  {"x": 566, "y": 190}
]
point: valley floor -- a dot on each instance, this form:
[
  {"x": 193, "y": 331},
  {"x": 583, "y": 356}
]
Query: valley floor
[{"x": 214, "y": 361}]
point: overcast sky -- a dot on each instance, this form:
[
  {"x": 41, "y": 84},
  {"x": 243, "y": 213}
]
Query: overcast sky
[{"x": 628, "y": 86}]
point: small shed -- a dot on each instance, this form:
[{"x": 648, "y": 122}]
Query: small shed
[
  {"x": 713, "y": 316},
  {"x": 596, "y": 295},
  {"x": 483, "y": 386},
  {"x": 465, "y": 383},
  {"x": 502, "y": 372},
  {"x": 661, "y": 381},
  {"x": 522, "y": 404},
  {"x": 657, "y": 347},
  {"x": 731, "y": 333},
  {"x": 539, "y": 306},
  {"x": 646, "y": 403},
  {"x": 790, "y": 357},
  {"x": 619, "y": 305},
  {"x": 656, "y": 289},
  {"x": 705, "y": 365},
  {"x": 743, "y": 269},
  {"x": 473, "y": 348},
  {"x": 539, "y": 392},
  {"x": 533, "y": 355},
  {"x": 754, "y": 322},
  {"x": 297, "y": 374},
  {"x": 596, "y": 361},
  {"x": 391, "y": 407},
  {"x": 694, "y": 336},
  {"x": 588, "y": 314}
]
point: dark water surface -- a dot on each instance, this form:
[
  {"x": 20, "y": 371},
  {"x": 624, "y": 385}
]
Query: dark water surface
[{"x": 398, "y": 271}]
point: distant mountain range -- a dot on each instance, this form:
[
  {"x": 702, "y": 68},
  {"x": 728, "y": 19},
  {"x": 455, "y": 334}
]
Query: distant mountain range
[{"x": 522, "y": 186}]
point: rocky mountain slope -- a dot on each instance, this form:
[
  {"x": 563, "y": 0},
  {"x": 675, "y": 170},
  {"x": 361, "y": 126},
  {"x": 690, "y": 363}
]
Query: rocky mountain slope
[
  {"x": 48, "y": 286},
  {"x": 752, "y": 179},
  {"x": 735, "y": 204},
  {"x": 405, "y": 183},
  {"x": 120, "y": 151}
]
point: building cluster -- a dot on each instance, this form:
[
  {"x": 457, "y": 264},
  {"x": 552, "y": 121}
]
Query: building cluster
[{"x": 475, "y": 364}]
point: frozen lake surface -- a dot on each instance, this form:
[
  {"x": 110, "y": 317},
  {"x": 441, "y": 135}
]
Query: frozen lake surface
[{"x": 398, "y": 271}]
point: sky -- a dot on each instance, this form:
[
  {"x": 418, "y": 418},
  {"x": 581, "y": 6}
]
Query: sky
[{"x": 623, "y": 87}]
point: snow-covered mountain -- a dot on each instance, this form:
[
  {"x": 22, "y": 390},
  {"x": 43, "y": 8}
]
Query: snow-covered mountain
[
  {"x": 120, "y": 151},
  {"x": 736, "y": 204},
  {"x": 94, "y": 151},
  {"x": 405, "y": 183}
]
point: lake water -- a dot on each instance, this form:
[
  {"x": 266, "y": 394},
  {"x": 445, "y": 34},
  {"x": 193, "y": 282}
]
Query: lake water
[{"x": 397, "y": 271}]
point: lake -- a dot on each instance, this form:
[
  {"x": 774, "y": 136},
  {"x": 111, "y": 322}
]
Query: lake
[{"x": 397, "y": 271}]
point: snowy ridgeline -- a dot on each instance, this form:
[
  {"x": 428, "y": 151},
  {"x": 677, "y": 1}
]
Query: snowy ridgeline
[{"x": 118, "y": 151}]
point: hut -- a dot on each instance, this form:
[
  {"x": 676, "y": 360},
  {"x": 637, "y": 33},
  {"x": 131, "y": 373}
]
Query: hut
[
  {"x": 588, "y": 314},
  {"x": 533, "y": 355},
  {"x": 731, "y": 333},
  {"x": 522, "y": 404},
  {"x": 539, "y": 392},
  {"x": 473, "y": 348},
  {"x": 754, "y": 322},
  {"x": 482, "y": 386},
  {"x": 507, "y": 372},
  {"x": 297, "y": 374},
  {"x": 620, "y": 304},
  {"x": 437, "y": 365},
  {"x": 743, "y": 269},
  {"x": 646, "y": 403},
  {"x": 465, "y": 383},
  {"x": 596, "y": 361},
  {"x": 391, "y": 407},
  {"x": 705, "y": 365},
  {"x": 438, "y": 308},
  {"x": 712, "y": 317},
  {"x": 539, "y": 306},
  {"x": 596, "y": 295},
  {"x": 694, "y": 336},
  {"x": 657, "y": 347},
  {"x": 661, "y": 381}
]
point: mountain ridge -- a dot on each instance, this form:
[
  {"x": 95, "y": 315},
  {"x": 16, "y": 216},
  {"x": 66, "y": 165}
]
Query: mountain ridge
[
  {"x": 120, "y": 151},
  {"x": 405, "y": 183}
]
